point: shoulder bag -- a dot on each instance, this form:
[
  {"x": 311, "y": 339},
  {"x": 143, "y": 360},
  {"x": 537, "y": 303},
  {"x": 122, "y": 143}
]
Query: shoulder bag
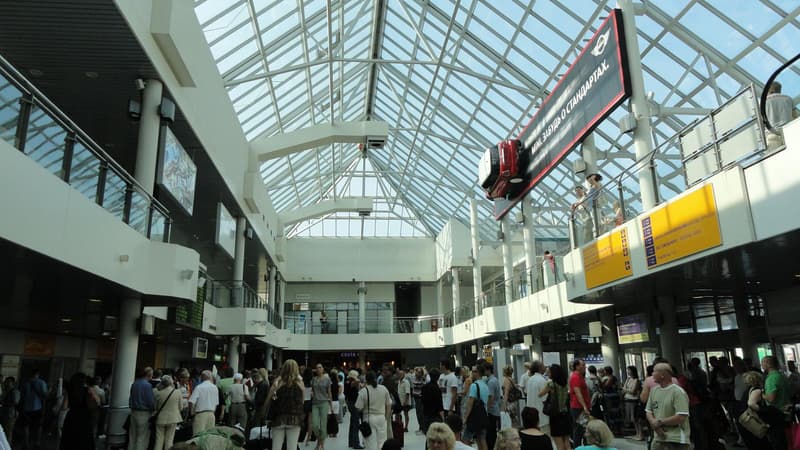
[
  {"x": 152, "y": 419},
  {"x": 550, "y": 407},
  {"x": 514, "y": 393},
  {"x": 752, "y": 422},
  {"x": 364, "y": 427},
  {"x": 477, "y": 419}
]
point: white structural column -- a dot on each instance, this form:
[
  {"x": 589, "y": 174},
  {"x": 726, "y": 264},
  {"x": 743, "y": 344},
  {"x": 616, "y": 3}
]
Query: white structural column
[
  {"x": 238, "y": 263},
  {"x": 124, "y": 370},
  {"x": 281, "y": 296},
  {"x": 362, "y": 307},
  {"x": 233, "y": 353},
  {"x": 530, "y": 245},
  {"x": 147, "y": 147},
  {"x": 477, "y": 278},
  {"x": 641, "y": 109},
  {"x": 508, "y": 262},
  {"x": 439, "y": 298},
  {"x": 268, "y": 357},
  {"x": 669, "y": 338},
  {"x": 609, "y": 342},
  {"x": 456, "y": 286},
  {"x": 273, "y": 272}
]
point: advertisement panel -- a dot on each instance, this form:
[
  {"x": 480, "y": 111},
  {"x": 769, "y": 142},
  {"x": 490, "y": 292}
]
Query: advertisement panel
[
  {"x": 681, "y": 228},
  {"x": 595, "y": 84},
  {"x": 607, "y": 259},
  {"x": 632, "y": 329},
  {"x": 177, "y": 173},
  {"x": 225, "y": 237}
]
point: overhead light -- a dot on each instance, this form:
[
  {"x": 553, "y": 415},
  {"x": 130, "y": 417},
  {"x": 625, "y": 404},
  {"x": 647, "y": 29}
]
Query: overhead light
[
  {"x": 65, "y": 319},
  {"x": 515, "y": 180},
  {"x": 91, "y": 74},
  {"x": 36, "y": 72},
  {"x": 95, "y": 300},
  {"x": 105, "y": 333},
  {"x": 178, "y": 329}
]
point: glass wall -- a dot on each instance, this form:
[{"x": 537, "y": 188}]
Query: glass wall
[{"x": 340, "y": 318}]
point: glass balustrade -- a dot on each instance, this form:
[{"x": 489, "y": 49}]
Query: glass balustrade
[{"x": 36, "y": 127}]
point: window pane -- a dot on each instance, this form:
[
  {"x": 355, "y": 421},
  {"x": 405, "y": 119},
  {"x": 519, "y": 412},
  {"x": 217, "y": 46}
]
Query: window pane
[
  {"x": 114, "y": 196},
  {"x": 9, "y": 111},
  {"x": 728, "y": 321},
  {"x": 45, "y": 141},
  {"x": 706, "y": 324},
  {"x": 85, "y": 171},
  {"x": 140, "y": 206}
]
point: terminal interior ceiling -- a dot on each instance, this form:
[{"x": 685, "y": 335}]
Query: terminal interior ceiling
[{"x": 450, "y": 78}]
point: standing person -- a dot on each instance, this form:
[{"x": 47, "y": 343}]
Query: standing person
[
  {"x": 287, "y": 391},
  {"x": 560, "y": 423},
  {"x": 168, "y": 412},
  {"x": 753, "y": 398},
  {"x": 466, "y": 375},
  {"x": 523, "y": 378},
  {"x": 404, "y": 392},
  {"x": 493, "y": 406},
  {"x": 77, "y": 428},
  {"x": 448, "y": 385},
  {"x": 509, "y": 406},
  {"x": 478, "y": 398},
  {"x": 239, "y": 396},
  {"x": 667, "y": 411},
  {"x": 260, "y": 389},
  {"x": 142, "y": 403},
  {"x": 579, "y": 400},
  {"x": 387, "y": 379},
  {"x": 33, "y": 395},
  {"x": 9, "y": 407},
  {"x": 375, "y": 405},
  {"x": 531, "y": 436},
  {"x": 321, "y": 403},
  {"x": 432, "y": 405},
  {"x": 203, "y": 402},
  {"x": 417, "y": 384},
  {"x": 351, "y": 388},
  {"x": 780, "y": 110},
  {"x": 537, "y": 384},
  {"x": 776, "y": 397},
  {"x": 631, "y": 390}
]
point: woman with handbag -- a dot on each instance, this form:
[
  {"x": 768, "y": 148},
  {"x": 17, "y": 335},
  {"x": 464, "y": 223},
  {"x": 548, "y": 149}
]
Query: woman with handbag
[
  {"x": 375, "y": 405},
  {"x": 285, "y": 401},
  {"x": 746, "y": 422},
  {"x": 168, "y": 415},
  {"x": 556, "y": 407}
]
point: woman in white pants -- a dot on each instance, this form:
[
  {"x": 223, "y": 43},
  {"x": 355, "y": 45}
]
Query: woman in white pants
[
  {"x": 286, "y": 396},
  {"x": 375, "y": 404}
]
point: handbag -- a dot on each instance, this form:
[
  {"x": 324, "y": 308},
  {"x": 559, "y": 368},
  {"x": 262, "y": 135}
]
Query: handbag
[
  {"x": 550, "y": 407},
  {"x": 752, "y": 422},
  {"x": 151, "y": 421},
  {"x": 364, "y": 427},
  {"x": 477, "y": 419}
]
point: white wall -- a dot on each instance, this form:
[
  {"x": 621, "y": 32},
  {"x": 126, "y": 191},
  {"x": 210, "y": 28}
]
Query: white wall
[
  {"x": 453, "y": 247},
  {"x": 337, "y": 292},
  {"x": 773, "y": 185},
  {"x": 207, "y": 106},
  {"x": 46, "y": 215},
  {"x": 371, "y": 260},
  {"x": 385, "y": 341}
]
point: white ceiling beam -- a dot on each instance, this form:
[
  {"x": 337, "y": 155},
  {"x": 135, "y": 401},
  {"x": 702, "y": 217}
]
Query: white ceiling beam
[
  {"x": 353, "y": 204},
  {"x": 285, "y": 144}
]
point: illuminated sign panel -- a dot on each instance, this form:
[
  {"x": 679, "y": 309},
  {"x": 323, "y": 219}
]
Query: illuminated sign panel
[{"x": 607, "y": 259}]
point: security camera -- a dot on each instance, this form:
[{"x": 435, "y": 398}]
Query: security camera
[{"x": 139, "y": 83}]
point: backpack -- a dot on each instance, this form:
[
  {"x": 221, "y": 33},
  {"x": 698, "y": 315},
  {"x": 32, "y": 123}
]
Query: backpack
[
  {"x": 478, "y": 419},
  {"x": 514, "y": 394}
]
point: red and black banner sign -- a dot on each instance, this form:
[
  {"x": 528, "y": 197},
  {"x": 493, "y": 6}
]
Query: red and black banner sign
[{"x": 595, "y": 84}]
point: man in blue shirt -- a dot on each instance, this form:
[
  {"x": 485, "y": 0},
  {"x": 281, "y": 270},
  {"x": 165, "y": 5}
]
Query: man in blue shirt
[
  {"x": 33, "y": 396},
  {"x": 493, "y": 406},
  {"x": 142, "y": 403},
  {"x": 477, "y": 390}
]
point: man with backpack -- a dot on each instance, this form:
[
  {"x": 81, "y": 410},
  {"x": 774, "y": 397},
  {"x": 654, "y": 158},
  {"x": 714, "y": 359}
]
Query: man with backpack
[
  {"x": 33, "y": 397},
  {"x": 476, "y": 420}
]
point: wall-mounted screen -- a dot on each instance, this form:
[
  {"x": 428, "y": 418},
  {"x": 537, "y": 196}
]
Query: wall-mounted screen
[
  {"x": 177, "y": 173},
  {"x": 226, "y": 230},
  {"x": 200, "y": 348},
  {"x": 632, "y": 329}
]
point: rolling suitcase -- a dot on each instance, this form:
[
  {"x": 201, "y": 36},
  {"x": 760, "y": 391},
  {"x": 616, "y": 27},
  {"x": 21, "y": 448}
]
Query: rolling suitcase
[
  {"x": 333, "y": 425},
  {"x": 398, "y": 431}
]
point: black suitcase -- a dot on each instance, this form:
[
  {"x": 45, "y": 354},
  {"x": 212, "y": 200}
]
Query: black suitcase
[{"x": 333, "y": 425}]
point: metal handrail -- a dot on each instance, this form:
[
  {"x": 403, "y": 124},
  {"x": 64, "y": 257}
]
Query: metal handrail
[{"x": 23, "y": 84}]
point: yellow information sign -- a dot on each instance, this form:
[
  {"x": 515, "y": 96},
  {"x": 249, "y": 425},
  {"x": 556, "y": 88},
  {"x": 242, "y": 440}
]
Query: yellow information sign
[
  {"x": 681, "y": 228},
  {"x": 607, "y": 259}
]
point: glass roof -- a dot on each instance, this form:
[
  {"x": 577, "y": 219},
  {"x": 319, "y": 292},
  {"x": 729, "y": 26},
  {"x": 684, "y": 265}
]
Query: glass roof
[{"x": 454, "y": 77}]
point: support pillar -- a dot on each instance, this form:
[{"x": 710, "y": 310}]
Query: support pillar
[
  {"x": 268, "y": 357},
  {"x": 147, "y": 147},
  {"x": 508, "y": 262},
  {"x": 477, "y": 278},
  {"x": 273, "y": 272},
  {"x": 749, "y": 349},
  {"x": 669, "y": 337},
  {"x": 439, "y": 298},
  {"x": 639, "y": 105},
  {"x": 536, "y": 348},
  {"x": 233, "y": 353},
  {"x": 280, "y": 293},
  {"x": 124, "y": 369},
  {"x": 362, "y": 307},
  {"x": 83, "y": 360},
  {"x": 458, "y": 358},
  {"x": 609, "y": 342},
  {"x": 362, "y": 360},
  {"x": 456, "y": 286},
  {"x": 530, "y": 245},
  {"x": 238, "y": 264}
]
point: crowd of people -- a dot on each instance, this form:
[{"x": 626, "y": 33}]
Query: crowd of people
[{"x": 546, "y": 407}]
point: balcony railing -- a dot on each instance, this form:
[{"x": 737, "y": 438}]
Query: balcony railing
[
  {"x": 36, "y": 127},
  {"x": 238, "y": 294},
  {"x": 402, "y": 325}
]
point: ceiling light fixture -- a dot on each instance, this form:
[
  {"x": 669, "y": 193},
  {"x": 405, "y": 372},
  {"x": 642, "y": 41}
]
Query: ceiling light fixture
[
  {"x": 65, "y": 320},
  {"x": 36, "y": 72},
  {"x": 92, "y": 74},
  {"x": 95, "y": 300}
]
